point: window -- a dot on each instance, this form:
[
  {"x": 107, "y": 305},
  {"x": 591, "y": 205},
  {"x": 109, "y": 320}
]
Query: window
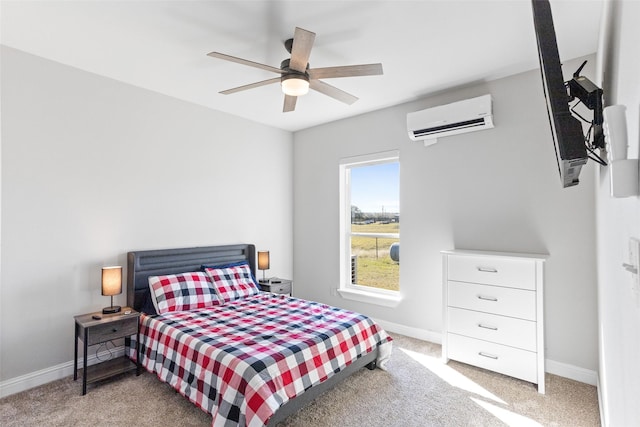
[{"x": 370, "y": 224}]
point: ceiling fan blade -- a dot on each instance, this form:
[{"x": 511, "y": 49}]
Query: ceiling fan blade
[
  {"x": 289, "y": 103},
  {"x": 244, "y": 62},
  {"x": 301, "y": 49},
  {"x": 250, "y": 86},
  {"x": 346, "y": 71},
  {"x": 332, "y": 91}
]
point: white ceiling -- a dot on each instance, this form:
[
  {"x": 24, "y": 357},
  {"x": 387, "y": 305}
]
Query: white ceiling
[{"x": 425, "y": 46}]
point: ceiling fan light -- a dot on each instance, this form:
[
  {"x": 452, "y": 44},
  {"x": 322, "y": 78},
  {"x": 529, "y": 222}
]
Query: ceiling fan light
[{"x": 295, "y": 86}]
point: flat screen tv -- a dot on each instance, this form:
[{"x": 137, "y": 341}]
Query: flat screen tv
[{"x": 566, "y": 130}]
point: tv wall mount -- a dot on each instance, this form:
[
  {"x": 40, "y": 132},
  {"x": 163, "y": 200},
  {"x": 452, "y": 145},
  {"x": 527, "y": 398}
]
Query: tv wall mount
[{"x": 590, "y": 95}]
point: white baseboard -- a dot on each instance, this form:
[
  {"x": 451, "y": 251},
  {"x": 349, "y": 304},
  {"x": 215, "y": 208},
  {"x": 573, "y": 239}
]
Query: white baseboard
[
  {"x": 34, "y": 379},
  {"x": 417, "y": 333},
  {"x": 53, "y": 373},
  {"x": 572, "y": 372},
  {"x": 565, "y": 370}
]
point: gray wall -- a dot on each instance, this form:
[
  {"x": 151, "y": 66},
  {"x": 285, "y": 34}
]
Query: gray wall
[
  {"x": 496, "y": 189},
  {"x": 618, "y": 220},
  {"x": 93, "y": 168}
]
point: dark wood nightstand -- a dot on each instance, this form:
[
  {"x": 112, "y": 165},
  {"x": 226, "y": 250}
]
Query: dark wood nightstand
[
  {"x": 96, "y": 331},
  {"x": 277, "y": 286}
]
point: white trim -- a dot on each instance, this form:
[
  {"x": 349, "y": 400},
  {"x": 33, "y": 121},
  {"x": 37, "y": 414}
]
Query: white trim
[
  {"x": 572, "y": 372},
  {"x": 372, "y": 158},
  {"x": 409, "y": 331},
  {"x": 377, "y": 298},
  {"x": 47, "y": 375},
  {"x": 53, "y": 373}
]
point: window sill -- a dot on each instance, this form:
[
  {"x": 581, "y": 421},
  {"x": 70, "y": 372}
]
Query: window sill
[{"x": 371, "y": 297}]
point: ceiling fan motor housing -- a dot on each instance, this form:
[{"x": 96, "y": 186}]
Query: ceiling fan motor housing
[
  {"x": 289, "y": 73},
  {"x": 294, "y": 83}
]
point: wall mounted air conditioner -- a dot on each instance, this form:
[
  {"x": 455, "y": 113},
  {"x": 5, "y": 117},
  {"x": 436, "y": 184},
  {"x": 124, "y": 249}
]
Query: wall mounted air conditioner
[{"x": 450, "y": 119}]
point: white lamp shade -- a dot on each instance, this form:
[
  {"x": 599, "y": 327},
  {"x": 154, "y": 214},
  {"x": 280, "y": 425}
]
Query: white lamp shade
[
  {"x": 111, "y": 280},
  {"x": 263, "y": 260}
]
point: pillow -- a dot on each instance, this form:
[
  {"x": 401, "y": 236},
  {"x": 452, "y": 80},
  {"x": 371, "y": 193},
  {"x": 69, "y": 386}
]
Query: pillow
[
  {"x": 233, "y": 282},
  {"x": 234, "y": 264},
  {"x": 181, "y": 292}
]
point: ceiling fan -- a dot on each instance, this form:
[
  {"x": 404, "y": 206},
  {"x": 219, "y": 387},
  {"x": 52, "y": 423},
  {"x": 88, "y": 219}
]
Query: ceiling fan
[{"x": 295, "y": 75}]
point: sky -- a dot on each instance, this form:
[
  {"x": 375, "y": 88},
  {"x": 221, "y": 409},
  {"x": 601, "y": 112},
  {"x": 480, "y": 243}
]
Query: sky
[{"x": 375, "y": 188}]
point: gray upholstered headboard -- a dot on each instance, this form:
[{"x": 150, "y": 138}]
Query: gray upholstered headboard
[{"x": 142, "y": 264}]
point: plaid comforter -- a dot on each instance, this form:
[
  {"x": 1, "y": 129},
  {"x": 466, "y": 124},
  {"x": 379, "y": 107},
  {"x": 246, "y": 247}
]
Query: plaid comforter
[{"x": 242, "y": 360}]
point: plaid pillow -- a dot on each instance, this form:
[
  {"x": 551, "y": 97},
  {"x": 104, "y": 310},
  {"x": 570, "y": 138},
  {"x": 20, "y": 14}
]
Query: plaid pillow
[
  {"x": 182, "y": 292},
  {"x": 233, "y": 282}
]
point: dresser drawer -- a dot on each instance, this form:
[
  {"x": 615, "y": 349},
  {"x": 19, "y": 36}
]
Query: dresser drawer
[
  {"x": 489, "y": 327},
  {"x": 509, "y": 272},
  {"x": 112, "y": 330},
  {"x": 511, "y": 302},
  {"x": 495, "y": 357}
]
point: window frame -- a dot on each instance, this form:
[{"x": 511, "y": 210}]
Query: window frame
[{"x": 347, "y": 289}]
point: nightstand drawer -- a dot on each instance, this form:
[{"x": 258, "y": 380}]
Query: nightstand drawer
[
  {"x": 112, "y": 330},
  {"x": 277, "y": 288}
]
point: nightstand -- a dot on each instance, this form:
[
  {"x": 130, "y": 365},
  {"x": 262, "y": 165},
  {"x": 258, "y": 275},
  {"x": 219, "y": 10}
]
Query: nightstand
[
  {"x": 96, "y": 331},
  {"x": 277, "y": 286}
]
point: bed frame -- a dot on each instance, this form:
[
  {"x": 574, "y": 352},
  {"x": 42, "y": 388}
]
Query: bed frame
[{"x": 142, "y": 264}]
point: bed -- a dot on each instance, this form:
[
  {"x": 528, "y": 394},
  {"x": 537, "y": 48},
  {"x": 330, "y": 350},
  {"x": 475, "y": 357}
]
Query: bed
[{"x": 251, "y": 360}]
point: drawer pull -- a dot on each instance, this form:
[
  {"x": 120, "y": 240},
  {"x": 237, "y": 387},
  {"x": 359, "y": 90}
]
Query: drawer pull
[
  {"x": 493, "y": 328},
  {"x": 114, "y": 330},
  {"x": 482, "y": 297},
  {"x": 488, "y": 269},
  {"x": 490, "y": 356}
]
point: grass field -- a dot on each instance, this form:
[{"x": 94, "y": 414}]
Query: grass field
[{"x": 375, "y": 266}]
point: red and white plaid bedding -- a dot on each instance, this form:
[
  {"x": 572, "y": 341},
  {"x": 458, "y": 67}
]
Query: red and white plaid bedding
[{"x": 242, "y": 360}]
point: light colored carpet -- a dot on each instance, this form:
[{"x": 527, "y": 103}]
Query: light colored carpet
[{"x": 417, "y": 390}]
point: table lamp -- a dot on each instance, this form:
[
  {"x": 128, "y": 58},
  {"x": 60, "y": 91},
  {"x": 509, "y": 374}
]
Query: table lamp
[
  {"x": 111, "y": 285},
  {"x": 263, "y": 263}
]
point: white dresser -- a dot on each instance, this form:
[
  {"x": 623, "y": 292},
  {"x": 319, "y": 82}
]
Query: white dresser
[{"x": 493, "y": 312}]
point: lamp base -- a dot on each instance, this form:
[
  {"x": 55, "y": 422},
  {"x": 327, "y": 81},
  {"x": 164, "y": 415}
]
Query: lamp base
[{"x": 111, "y": 310}]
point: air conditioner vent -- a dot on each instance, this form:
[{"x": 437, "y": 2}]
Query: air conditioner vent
[
  {"x": 451, "y": 119},
  {"x": 449, "y": 127}
]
